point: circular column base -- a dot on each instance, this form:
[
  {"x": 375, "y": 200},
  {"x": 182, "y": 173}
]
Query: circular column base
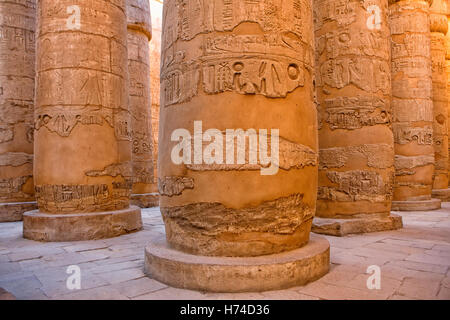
[
  {"x": 146, "y": 200},
  {"x": 241, "y": 274},
  {"x": 12, "y": 212},
  {"x": 343, "y": 227},
  {"x": 442, "y": 194},
  {"x": 80, "y": 226},
  {"x": 417, "y": 205}
]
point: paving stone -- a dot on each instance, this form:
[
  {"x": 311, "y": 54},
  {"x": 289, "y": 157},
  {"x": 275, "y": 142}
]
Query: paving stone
[
  {"x": 285, "y": 295},
  {"x": 331, "y": 292},
  {"x": 444, "y": 294},
  {"x": 419, "y": 266},
  {"x": 411, "y": 290},
  {"x": 102, "y": 293},
  {"x": 172, "y": 294},
  {"x": 122, "y": 275},
  {"x": 138, "y": 287}
]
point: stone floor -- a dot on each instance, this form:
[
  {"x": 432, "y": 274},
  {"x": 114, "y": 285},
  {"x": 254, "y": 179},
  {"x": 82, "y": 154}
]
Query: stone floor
[{"x": 414, "y": 262}]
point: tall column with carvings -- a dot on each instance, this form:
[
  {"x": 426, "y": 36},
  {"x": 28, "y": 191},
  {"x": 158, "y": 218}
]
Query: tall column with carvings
[
  {"x": 83, "y": 173},
  {"x": 156, "y": 7},
  {"x": 17, "y": 59},
  {"x": 447, "y": 69},
  {"x": 355, "y": 135},
  {"x": 238, "y": 149},
  {"x": 412, "y": 105},
  {"x": 439, "y": 28},
  {"x": 144, "y": 191}
]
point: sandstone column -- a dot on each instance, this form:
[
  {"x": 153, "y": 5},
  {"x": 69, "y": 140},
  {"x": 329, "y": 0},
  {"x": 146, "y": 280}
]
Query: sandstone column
[
  {"x": 144, "y": 191},
  {"x": 412, "y": 105},
  {"x": 83, "y": 174},
  {"x": 235, "y": 219},
  {"x": 447, "y": 68},
  {"x": 17, "y": 59},
  {"x": 439, "y": 28},
  {"x": 156, "y": 7},
  {"x": 353, "y": 93}
]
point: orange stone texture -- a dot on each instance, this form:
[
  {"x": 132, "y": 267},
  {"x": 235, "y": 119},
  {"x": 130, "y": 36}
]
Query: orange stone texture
[
  {"x": 156, "y": 8},
  {"x": 439, "y": 29},
  {"x": 412, "y": 104},
  {"x": 144, "y": 191},
  {"x": 17, "y": 62},
  {"x": 356, "y": 171},
  {"x": 83, "y": 135},
  {"x": 229, "y": 65}
]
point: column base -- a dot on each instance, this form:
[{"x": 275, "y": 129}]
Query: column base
[
  {"x": 442, "y": 194},
  {"x": 146, "y": 200},
  {"x": 11, "y": 212},
  {"x": 242, "y": 274},
  {"x": 80, "y": 226},
  {"x": 416, "y": 205},
  {"x": 343, "y": 227}
]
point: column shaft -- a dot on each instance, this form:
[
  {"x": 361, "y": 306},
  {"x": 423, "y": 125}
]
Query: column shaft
[
  {"x": 353, "y": 70},
  {"x": 439, "y": 28},
  {"x": 412, "y": 105},
  {"x": 144, "y": 191},
  {"x": 83, "y": 173},
  {"x": 237, "y": 165},
  {"x": 17, "y": 62}
]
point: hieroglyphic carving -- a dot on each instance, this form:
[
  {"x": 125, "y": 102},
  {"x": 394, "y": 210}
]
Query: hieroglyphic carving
[
  {"x": 174, "y": 186},
  {"x": 271, "y": 64},
  {"x": 81, "y": 107},
  {"x": 81, "y": 198},
  {"x": 290, "y": 156},
  {"x": 439, "y": 28},
  {"x": 17, "y": 73},
  {"x": 404, "y": 134},
  {"x": 356, "y": 112},
  {"x": 353, "y": 78},
  {"x": 378, "y": 156},
  {"x": 355, "y": 185},
  {"x": 412, "y": 92},
  {"x": 12, "y": 188}
]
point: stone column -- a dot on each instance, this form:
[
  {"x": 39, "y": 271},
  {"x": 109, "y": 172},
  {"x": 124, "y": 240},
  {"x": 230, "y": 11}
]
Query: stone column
[
  {"x": 353, "y": 70},
  {"x": 17, "y": 59},
  {"x": 156, "y": 7},
  {"x": 83, "y": 174},
  {"x": 447, "y": 68},
  {"x": 439, "y": 28},
  {"x": 144, "y": 191},
  {"x": 237, "y": 212},
  {"x": 412, "y": 105}
]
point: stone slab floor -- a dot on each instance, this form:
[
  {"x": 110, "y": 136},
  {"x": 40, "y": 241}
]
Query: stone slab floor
[{"x": 414, "y": 262}]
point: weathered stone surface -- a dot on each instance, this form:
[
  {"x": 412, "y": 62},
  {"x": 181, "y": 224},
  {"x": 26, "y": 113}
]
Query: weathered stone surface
[
  {"x": 442, "y": 194},
  {"x": 249, "y": 274},
  {"x": 447, "y": 69},
  {"x": 80, "y": 226},
  {"x": 343, "y": 227},
  {"x": 139, "y": 35},
  {"x": 156, "y": 8},
  {"x": 83, "y": 135},
  {"x": 234, "y": 65},
  {"x": 416, "y": 205},
  {"x": 146, "y": 200},
  {"x": 353, "y": 70},
  {"x": 412, "y": 91},
  {"x": 439, "y": 28},
  {"x": 13, "y": 211},
  {"x": 17, "y": 76}
]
